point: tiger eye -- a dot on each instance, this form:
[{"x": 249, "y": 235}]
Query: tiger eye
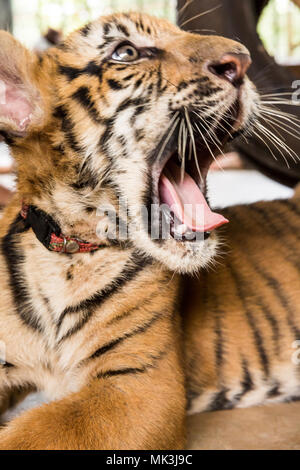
[{"x": 126, "y": 53}]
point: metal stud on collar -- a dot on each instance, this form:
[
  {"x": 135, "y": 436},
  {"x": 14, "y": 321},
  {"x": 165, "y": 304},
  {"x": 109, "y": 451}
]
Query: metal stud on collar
[{"x": 71, "y": 247}]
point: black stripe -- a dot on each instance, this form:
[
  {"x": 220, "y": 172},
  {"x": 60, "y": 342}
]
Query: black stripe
[
  {"x": 219, "y": 350},
  {"x": 139, "y": 110},
  {"x": 270, "y": 223},
  {"x": 135, "y": 102},
  {"x": 140, "y": 25},
  {"x": 272, "y": 215},
  {"x": 112, "y": 344},
  {"x": 71, "y": 73},
  {"x": 259, "y": 343},
  {"x": 86, "y": 178},
  {"x": 82, "y": 95},
  {"x": 14, "y": 258},
  {"x": 134, "y": 370},
  {"x": 121, "y": 27},
  {"x": 86, "y": 29},
  {"x": 8, "y": 139},
  {"x": 282, "y": 208},
  {"x": 129, "y": 370},
  {"x": 106, "y": 136},
  {"x": 220, "y": 402},
  {"x": 115, "y": 85},
  {"x": 274, "y": 284},
  {"x": 293, "y": 205},
  {"x": 138, "y": 83},
  {"x": 272, "y": 320},
  {"x": 77, "y": 327},
  {"x": 132, "y": 268},
  {"x": 280, "y": 294},
  {"x": 127, "y": 313},
  {"x": 119, "y": 68},
  {"x": 247, "y": 382},
  {"x": 106, "y": 29},
  {"x": 6, "y": 365},
  {"x": 159, "y": 81},
  {"x": 274, "y": 391},
  {"x": 67, "y": 127},
  {"x": 129, "y": 77},
  {"x": 94, "y": 70},
  {"x": 217, "y": 314},
  {"x": 292, "y": 399}
]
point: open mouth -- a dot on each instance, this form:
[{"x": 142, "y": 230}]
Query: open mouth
[{"x": 179, "y": 182}]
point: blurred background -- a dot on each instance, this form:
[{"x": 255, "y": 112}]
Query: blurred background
[
  {"x": 269, "y": 28},
  {"x": 278, "y": 25}
]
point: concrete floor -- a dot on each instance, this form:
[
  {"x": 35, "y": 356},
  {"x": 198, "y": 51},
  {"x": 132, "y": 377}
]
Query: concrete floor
[{"x": 270, "y": 427}]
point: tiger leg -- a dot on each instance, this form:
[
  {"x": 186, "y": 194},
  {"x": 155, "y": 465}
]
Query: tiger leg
[{"x": 126, "y": 409}]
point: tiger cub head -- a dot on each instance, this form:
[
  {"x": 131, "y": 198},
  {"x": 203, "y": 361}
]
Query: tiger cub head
[{"x": 127, "y": 113}]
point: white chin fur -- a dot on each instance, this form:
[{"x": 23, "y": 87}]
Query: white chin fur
[{"x": 184, "y": 258}]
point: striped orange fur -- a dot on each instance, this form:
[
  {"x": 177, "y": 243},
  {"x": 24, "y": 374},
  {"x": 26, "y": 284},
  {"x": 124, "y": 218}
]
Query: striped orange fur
[{"x": 101, "y": 333}]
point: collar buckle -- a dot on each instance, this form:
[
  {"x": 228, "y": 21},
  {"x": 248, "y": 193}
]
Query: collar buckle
[
  {"x": 49, "y": 233},
  {"x": 70, "y": 246}
]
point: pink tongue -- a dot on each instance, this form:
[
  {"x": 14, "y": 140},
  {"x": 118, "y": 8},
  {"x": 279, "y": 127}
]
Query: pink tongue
[{"x": 187, "y": 201}]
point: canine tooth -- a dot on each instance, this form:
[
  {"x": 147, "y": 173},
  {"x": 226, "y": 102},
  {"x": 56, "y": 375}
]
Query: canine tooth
[{"x": 181, "y": 229}]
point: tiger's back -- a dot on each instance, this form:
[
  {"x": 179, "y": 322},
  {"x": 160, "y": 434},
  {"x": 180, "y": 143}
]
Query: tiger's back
[{"x": 242, "y": 319}]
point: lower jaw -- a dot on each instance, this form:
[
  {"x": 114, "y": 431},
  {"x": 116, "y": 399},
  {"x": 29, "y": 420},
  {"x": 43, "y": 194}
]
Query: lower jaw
[
  {"x": 189, "y": 235},
  {"x": 169, "y": 228},
  {"x": 178, "y": 256}
]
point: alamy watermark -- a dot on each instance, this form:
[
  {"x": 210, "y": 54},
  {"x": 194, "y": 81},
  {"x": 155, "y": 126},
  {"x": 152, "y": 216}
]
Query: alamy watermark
[
  {"x": 162, "y": 222},
  {"x": 296, "y": 93}
]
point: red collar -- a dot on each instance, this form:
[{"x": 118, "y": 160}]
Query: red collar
[{"x": 49, "y": 233}]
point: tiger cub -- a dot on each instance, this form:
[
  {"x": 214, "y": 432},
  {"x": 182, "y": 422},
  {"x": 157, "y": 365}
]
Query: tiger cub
[{"x": 109, "y": 132}]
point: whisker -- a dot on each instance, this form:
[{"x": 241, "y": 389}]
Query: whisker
[
  {"x": 193, "y": 141},
  {"x": 218, "y": 124},
  {"x": 207, "y": 145},
  {"x": 285, "y": 127},
  {"x": 270, "y": 95},
  {"x": 199, "y": 15},
  {"x": 202, "y": 30},
  {"x": 211, "y": 134},
  {"x": 184, "y": 7},
  {"x": 168, "y": 81},
  {"x": 181, "y": 149},
  {"x": 265, "y": 143},
  {"x": 272, "y": 124},
  {"x": 278, "y": 101},
  {"x": 279, "y": 143},
  {"x": 279, "y": 114},
  {"x": 169, "y": 135}
]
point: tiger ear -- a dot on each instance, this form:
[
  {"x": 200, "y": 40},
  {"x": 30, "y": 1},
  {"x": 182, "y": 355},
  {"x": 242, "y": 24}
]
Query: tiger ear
[{"x": 20, "y": 100}]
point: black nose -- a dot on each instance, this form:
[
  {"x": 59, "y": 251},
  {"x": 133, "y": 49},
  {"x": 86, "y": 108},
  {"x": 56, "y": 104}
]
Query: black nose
[{"x": 232, "y": 67}]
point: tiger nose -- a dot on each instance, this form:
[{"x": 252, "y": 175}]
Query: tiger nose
[{"x": 232, "y": 67}]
